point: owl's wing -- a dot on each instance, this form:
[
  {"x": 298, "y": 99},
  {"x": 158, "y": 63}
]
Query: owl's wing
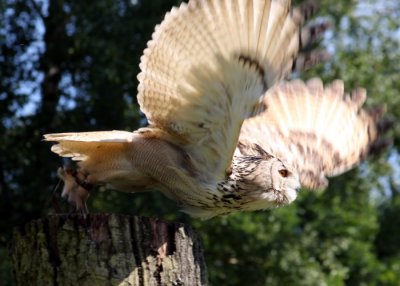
[
  {"x": 207, "y": 66},
  {"x": 319, "y": 131}
]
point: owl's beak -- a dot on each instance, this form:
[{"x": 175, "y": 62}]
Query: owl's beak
[{"x": 298, "y": 187}]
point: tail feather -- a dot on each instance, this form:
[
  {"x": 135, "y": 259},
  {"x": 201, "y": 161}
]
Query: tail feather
[{"x": 80, "y": 145}]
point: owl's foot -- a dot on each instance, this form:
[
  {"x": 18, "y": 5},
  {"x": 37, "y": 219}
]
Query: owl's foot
[{"x": 76, "y": 189}]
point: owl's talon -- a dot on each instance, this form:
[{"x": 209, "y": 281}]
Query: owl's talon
[{"x": 76, "y": 190}]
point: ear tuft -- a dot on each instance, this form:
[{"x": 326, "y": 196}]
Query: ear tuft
[{"x": 253, "y": 149}]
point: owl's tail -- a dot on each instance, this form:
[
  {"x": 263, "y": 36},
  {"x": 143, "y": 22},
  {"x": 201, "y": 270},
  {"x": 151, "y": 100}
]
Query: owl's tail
[
  {"x": 111, "y": 158},
  {"x": 119, "y": 159},
  {"x": 81, "y": 145},
  {"x": 101, "y": 159}
]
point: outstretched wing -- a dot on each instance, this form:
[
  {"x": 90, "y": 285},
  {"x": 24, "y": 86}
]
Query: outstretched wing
[
  {"x": 207, "y": 66},
  {"x": 319, "y": 131}
]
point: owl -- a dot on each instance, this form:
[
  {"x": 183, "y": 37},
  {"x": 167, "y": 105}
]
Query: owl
[{"x": 226, "y": 132}]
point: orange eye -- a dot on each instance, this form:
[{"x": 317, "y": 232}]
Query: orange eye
[{"x": 284, "y": 173}]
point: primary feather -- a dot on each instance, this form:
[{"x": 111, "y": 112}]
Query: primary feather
[
  {"x": 206, "y": 67},
  {"x": 319, "y": 131}
]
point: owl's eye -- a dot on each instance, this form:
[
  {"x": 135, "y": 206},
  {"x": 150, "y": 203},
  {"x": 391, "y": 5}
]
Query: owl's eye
[{"x": 284, "y": 173}]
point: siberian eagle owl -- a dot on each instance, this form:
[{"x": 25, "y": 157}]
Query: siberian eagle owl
[{"x": 226, "y": 133}]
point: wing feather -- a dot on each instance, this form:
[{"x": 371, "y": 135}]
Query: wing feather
[
  {"x": 206, "y": 67},
  {"x": 319, "y": 131}
]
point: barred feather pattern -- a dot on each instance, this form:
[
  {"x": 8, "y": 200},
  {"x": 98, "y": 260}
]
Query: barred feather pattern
[
  {"x": 210, "y": 65},
  {"x": 206, "y": 67},
  {"x": 319, "y": 131}
]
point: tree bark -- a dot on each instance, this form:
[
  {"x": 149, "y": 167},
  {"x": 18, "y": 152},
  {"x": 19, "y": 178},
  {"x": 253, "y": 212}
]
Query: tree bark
[{"x": 107, "y": 249}]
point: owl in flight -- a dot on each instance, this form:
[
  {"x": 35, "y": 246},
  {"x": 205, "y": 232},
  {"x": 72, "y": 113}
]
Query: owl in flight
[{"x": 226, "y": 133}]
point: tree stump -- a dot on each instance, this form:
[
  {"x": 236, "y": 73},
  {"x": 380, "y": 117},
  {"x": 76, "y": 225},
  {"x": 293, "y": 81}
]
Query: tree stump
[{"x": 107, "y": 249}]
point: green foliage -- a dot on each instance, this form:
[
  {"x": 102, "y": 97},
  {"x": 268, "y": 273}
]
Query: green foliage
[{"x": 68, "y": 75}]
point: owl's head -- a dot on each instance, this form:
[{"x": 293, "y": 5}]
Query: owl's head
[
  {"x": 270, "y": 182},
  {"x": 282, "y": 181}
]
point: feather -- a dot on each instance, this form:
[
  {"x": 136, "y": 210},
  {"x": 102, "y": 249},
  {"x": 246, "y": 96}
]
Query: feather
[
  {"x": 206, "y": 67},
  {"x": 320, "y": 131},
  {"x": 79, "y": 145}
]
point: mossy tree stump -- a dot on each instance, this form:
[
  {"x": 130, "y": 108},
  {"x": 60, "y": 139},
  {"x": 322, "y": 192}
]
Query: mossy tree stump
[{"x": 107, "y": 250}]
